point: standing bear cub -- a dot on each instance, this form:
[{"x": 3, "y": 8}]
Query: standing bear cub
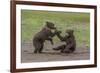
[
  {"x": 44, "y": 34},
  {"x": 70, "y": 41}
]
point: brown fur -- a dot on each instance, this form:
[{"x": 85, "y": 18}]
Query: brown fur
[
  {"x": 44, "y": 34},
  {"x": 70, "y": 42}
]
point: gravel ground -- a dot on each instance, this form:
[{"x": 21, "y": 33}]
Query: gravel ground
[{"x": 27, "y": 55}]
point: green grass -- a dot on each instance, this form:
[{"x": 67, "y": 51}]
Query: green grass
[{"x": 33, "y": 21}]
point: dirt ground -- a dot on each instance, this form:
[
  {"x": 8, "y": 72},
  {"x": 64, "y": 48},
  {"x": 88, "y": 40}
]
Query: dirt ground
[{"x": 27, "y": 55}]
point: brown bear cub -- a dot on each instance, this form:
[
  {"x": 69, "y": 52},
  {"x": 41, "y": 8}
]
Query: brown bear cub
[
  {"x": 70, "y": 41},
  {"x": 44, "y": 34}
]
